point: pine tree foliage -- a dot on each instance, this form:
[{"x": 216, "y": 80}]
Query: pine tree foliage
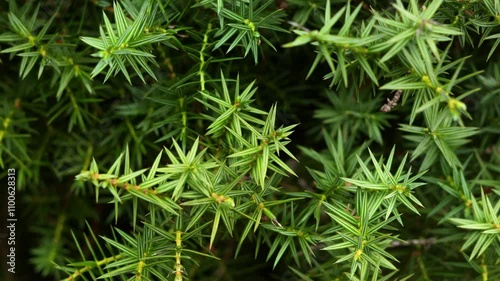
[{"x": 242, "y": 139}]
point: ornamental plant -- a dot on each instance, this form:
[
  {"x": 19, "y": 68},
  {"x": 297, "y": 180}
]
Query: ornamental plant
[{"x": 243, "y": 139}]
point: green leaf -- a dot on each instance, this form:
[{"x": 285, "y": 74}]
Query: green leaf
[
  {"x": 215, "y": 226},
  {"x": 18, "y": 26},
  {"x": 17, "y": 48}
]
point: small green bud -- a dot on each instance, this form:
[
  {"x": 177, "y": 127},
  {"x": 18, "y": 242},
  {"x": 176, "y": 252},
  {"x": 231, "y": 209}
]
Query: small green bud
[
  {"x": 83, "y": 176},
  {"x": 229, "y": 202},
  {"x": 426, "y": 79},
  {"x": 456, "y": 108},
  {"x": 456, "y": 104}
]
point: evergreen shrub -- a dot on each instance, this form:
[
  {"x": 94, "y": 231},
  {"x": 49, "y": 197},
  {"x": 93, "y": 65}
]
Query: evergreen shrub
[{"x": 252, "y": 139}]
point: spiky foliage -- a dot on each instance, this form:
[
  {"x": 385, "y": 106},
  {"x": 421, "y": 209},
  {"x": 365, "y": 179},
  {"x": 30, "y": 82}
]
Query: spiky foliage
[{"x": 152, "y": 140}]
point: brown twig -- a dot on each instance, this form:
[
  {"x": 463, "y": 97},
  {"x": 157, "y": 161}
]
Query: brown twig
[
  {"x": 391, "y": 103},
  {"x": 426, "y": 243},
  {"x": 299, "y": 26}
]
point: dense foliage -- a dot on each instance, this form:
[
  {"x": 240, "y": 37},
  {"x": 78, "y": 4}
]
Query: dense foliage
[{"x": 235, "y": 139}]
